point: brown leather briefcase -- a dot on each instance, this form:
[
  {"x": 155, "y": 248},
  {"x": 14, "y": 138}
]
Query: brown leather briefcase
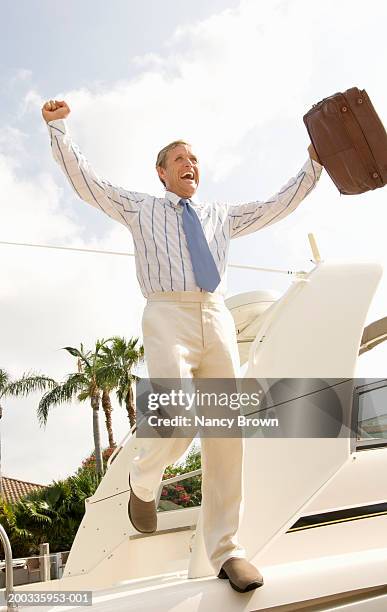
[{"x": 350, "y": 140}]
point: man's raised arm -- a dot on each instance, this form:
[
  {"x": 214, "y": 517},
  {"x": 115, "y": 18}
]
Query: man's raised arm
[
  {"x": 247, "y": 218},
  {"x": 118, "y": 203}
]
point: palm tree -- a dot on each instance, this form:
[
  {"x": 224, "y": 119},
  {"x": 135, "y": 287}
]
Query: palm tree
[
  {"x": 115, "y": 372},
  {"x": 106, "y": 403},
  {"x": 83, "y": 385},
  {"x": 107, "y": 408}
]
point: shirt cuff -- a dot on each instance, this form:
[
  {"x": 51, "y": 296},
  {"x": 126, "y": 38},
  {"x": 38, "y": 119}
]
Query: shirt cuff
[
  {"x": 312, "y": 167},
  {"x": 57, "y": 125}
]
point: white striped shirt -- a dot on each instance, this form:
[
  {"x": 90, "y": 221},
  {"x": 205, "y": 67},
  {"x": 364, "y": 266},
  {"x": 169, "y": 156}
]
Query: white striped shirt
[{"x": 162, "y": 258}]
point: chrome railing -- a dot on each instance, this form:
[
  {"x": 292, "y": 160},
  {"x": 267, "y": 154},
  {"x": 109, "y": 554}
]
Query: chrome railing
[{"x": 8, "y": 569}]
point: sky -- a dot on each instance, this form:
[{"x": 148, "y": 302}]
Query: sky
[{"x": 234, "y": 77}]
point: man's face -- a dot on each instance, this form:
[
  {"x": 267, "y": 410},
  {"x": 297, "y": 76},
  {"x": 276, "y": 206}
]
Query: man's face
[{"x": 181, "y": 172}]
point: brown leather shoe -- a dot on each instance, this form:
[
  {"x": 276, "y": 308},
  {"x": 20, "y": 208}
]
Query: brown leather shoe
[
  {"x": 242, "y": 575},
  {"x": 142, "y": 514}
]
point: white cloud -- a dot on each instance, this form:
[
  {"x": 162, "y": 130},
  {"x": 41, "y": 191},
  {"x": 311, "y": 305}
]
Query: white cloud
[{"x": 212, "y": 87}]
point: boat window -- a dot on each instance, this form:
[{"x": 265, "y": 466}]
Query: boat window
[{"x": 372, "y": 415}]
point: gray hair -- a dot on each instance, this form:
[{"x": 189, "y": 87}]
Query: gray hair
[{"x": 162, "y": 155}]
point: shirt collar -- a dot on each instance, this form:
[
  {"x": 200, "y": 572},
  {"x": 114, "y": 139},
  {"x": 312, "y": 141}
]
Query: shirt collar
[{"x": 175, "y": 199}]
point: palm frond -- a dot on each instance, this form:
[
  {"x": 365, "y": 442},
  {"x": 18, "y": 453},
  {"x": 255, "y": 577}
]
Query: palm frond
[
  {"x": 100, "y": 344},
  {"x": 34, "y": 511},
  {"x": 29, "y": 383},
  {"x": 120, "y": 394},
  {"x": 73, "y": 351},
  {"x": 83, "y": 396},
  {"x": 108, "y": 375},
  {"x": 80, "y": 354},
  {"x": 59, "y": 395},
  {"x": 4, "y": 380}
]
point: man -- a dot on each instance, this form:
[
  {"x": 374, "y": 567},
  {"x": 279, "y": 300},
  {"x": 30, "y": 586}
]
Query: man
[{"x": 181, "y": 248}]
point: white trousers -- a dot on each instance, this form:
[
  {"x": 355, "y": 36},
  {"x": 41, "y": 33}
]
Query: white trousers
[{"x": 191, "y": 334}]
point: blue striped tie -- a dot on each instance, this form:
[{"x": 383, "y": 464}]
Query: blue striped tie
[{"x": 204, "y": 267}]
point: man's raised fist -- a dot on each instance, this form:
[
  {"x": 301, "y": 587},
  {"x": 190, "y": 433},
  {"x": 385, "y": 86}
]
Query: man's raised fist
[{"x": 55, "y": 109}]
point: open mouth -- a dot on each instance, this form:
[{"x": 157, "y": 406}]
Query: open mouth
[{"x": 188, "y": 176}]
